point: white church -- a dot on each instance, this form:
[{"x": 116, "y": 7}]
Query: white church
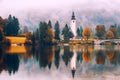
[{"x": 73, "y": 25}]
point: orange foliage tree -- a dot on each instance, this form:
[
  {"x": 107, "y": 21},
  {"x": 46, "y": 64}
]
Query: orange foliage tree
[
  {"x": 86, "y": 33},
  {"x": 49, "y": 35},
  {"x": 109, "y": 34}
]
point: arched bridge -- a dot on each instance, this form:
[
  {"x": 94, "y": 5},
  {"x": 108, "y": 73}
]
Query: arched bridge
[{"x": 98, "y": 42}]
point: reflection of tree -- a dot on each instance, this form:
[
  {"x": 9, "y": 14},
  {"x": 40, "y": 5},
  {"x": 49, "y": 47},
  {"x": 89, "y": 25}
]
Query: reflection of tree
[
  {"x": 57, "y": 57},
  {"x": 46, "y": 56},
  {"x": 12, "y": 62},
  {"x": 79, "y": 56},
  {"x": 86, "y": 55},
  {"x": 67, "y": 55},
  {"x": 118, "y": 52},
  {"x": 100, "y": 57},
  {"x": 112, "y": 56},
  {"x": 2, "y": 55}
]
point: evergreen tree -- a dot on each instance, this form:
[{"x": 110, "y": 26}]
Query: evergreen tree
[
  {"x": 78, "y": 32},
  {"x": 57, "y": 31},
  {"x": 43, "y": 29},
  {"x": 118, "y": 31},
  {"x": 12, "y": 26},
  {"x": 81, "y": 30},
  {"x": 46, "y": 34},
  {"x": 49, "y": 24},
  {"x": 37, "y": 37},
  {"x": 67, "y": 34}
]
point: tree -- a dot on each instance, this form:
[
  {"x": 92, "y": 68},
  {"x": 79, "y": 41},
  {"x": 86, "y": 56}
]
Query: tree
[
  {"x": 3, "y": 23},
  {"x": 12, "y": 26},
  {"x": 29, "y": 35},
  {"x": 25, "y": 30},
  {"x": 118, "y": 31},
  {"x": 46, "y": 34},
  {"x": 67, "y": 34},
  {"x": 57, "y": 31},
  {"x": 86, "y": 33},
  {"x": 43, "y": 29},
  {"x": 109, "y": 34},
  {"x": 49, "y": 36},
  {"x": 78, "y": 32},
  {"x": 113, "y": 28},
  {"x": 37, "y": 37},
  {"x": 49, "y": 24},
  {"x": 81, "y": 30},
  {"x": 1, "y": 35},
  {"x": 100, "y": 31}
]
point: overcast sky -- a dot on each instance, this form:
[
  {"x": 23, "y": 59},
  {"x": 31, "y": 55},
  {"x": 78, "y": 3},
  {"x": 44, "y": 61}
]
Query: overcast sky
[{"x": 12, "y": 6}]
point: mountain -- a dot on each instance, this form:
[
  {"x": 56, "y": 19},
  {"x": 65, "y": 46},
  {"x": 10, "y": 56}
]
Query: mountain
[{"x": 85, "y": 18}]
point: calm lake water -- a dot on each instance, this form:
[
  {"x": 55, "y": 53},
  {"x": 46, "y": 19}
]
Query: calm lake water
[{"x": 75, "y": 62}]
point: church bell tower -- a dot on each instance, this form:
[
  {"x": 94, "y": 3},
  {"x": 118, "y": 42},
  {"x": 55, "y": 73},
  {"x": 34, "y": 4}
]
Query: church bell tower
[{"x": 73, "y": 24}]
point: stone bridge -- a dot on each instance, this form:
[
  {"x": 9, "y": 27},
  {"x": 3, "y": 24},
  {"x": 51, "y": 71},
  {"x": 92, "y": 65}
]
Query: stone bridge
[{"x": 98, "y": 42}]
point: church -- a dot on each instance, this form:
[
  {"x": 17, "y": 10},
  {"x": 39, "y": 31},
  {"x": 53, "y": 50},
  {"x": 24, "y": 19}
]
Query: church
[{"x": 73, "y": 25}]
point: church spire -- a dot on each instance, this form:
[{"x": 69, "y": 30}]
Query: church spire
[{"x": 73, "y": 16}]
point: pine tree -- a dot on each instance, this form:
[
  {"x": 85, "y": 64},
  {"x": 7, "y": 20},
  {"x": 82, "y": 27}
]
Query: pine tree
[
  {"x": 46, "y": 34},
  {"x": 67, "y": 34},
  {"x": 78, "y": 32},
  {"x": 49, "y": 24},
  {"x": 12, "y": 26},
  {"x": 57, "y": 31}
]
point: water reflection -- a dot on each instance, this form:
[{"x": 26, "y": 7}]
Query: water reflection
[{"x": 77, "y": 60}]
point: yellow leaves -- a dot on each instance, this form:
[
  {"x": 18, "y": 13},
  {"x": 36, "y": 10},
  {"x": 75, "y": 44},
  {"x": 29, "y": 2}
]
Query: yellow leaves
[
  {"x": 109, "y": 34},
  {"x": 49, "y": 35},
  {"x": 86, "y": 32}
]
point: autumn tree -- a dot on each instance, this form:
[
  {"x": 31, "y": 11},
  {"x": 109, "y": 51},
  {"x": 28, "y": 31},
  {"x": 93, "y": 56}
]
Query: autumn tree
[
  {"x": 86, "y": 33},
  {"x": 57, "y": 31},
  {"x": 1, "y": 35},
  {"x": 49, "y": 36},
  {"x": 100, "y": 31},
  {"x": 3, "y": 23},
  {"x": 113, "y": 28},
  {"x": 46, "y": 34},
  {"x": 109, "y": 34}
]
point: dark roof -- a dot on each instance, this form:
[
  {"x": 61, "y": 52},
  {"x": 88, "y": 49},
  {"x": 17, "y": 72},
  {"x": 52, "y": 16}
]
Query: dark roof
[{"x": 73, "y": 16}]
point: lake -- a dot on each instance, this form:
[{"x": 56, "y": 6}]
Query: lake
[{"x": 74, "y": 62}]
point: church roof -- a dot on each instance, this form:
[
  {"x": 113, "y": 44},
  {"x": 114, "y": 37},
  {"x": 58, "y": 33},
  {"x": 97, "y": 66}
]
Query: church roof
[{"x": 73, "y": 16}]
